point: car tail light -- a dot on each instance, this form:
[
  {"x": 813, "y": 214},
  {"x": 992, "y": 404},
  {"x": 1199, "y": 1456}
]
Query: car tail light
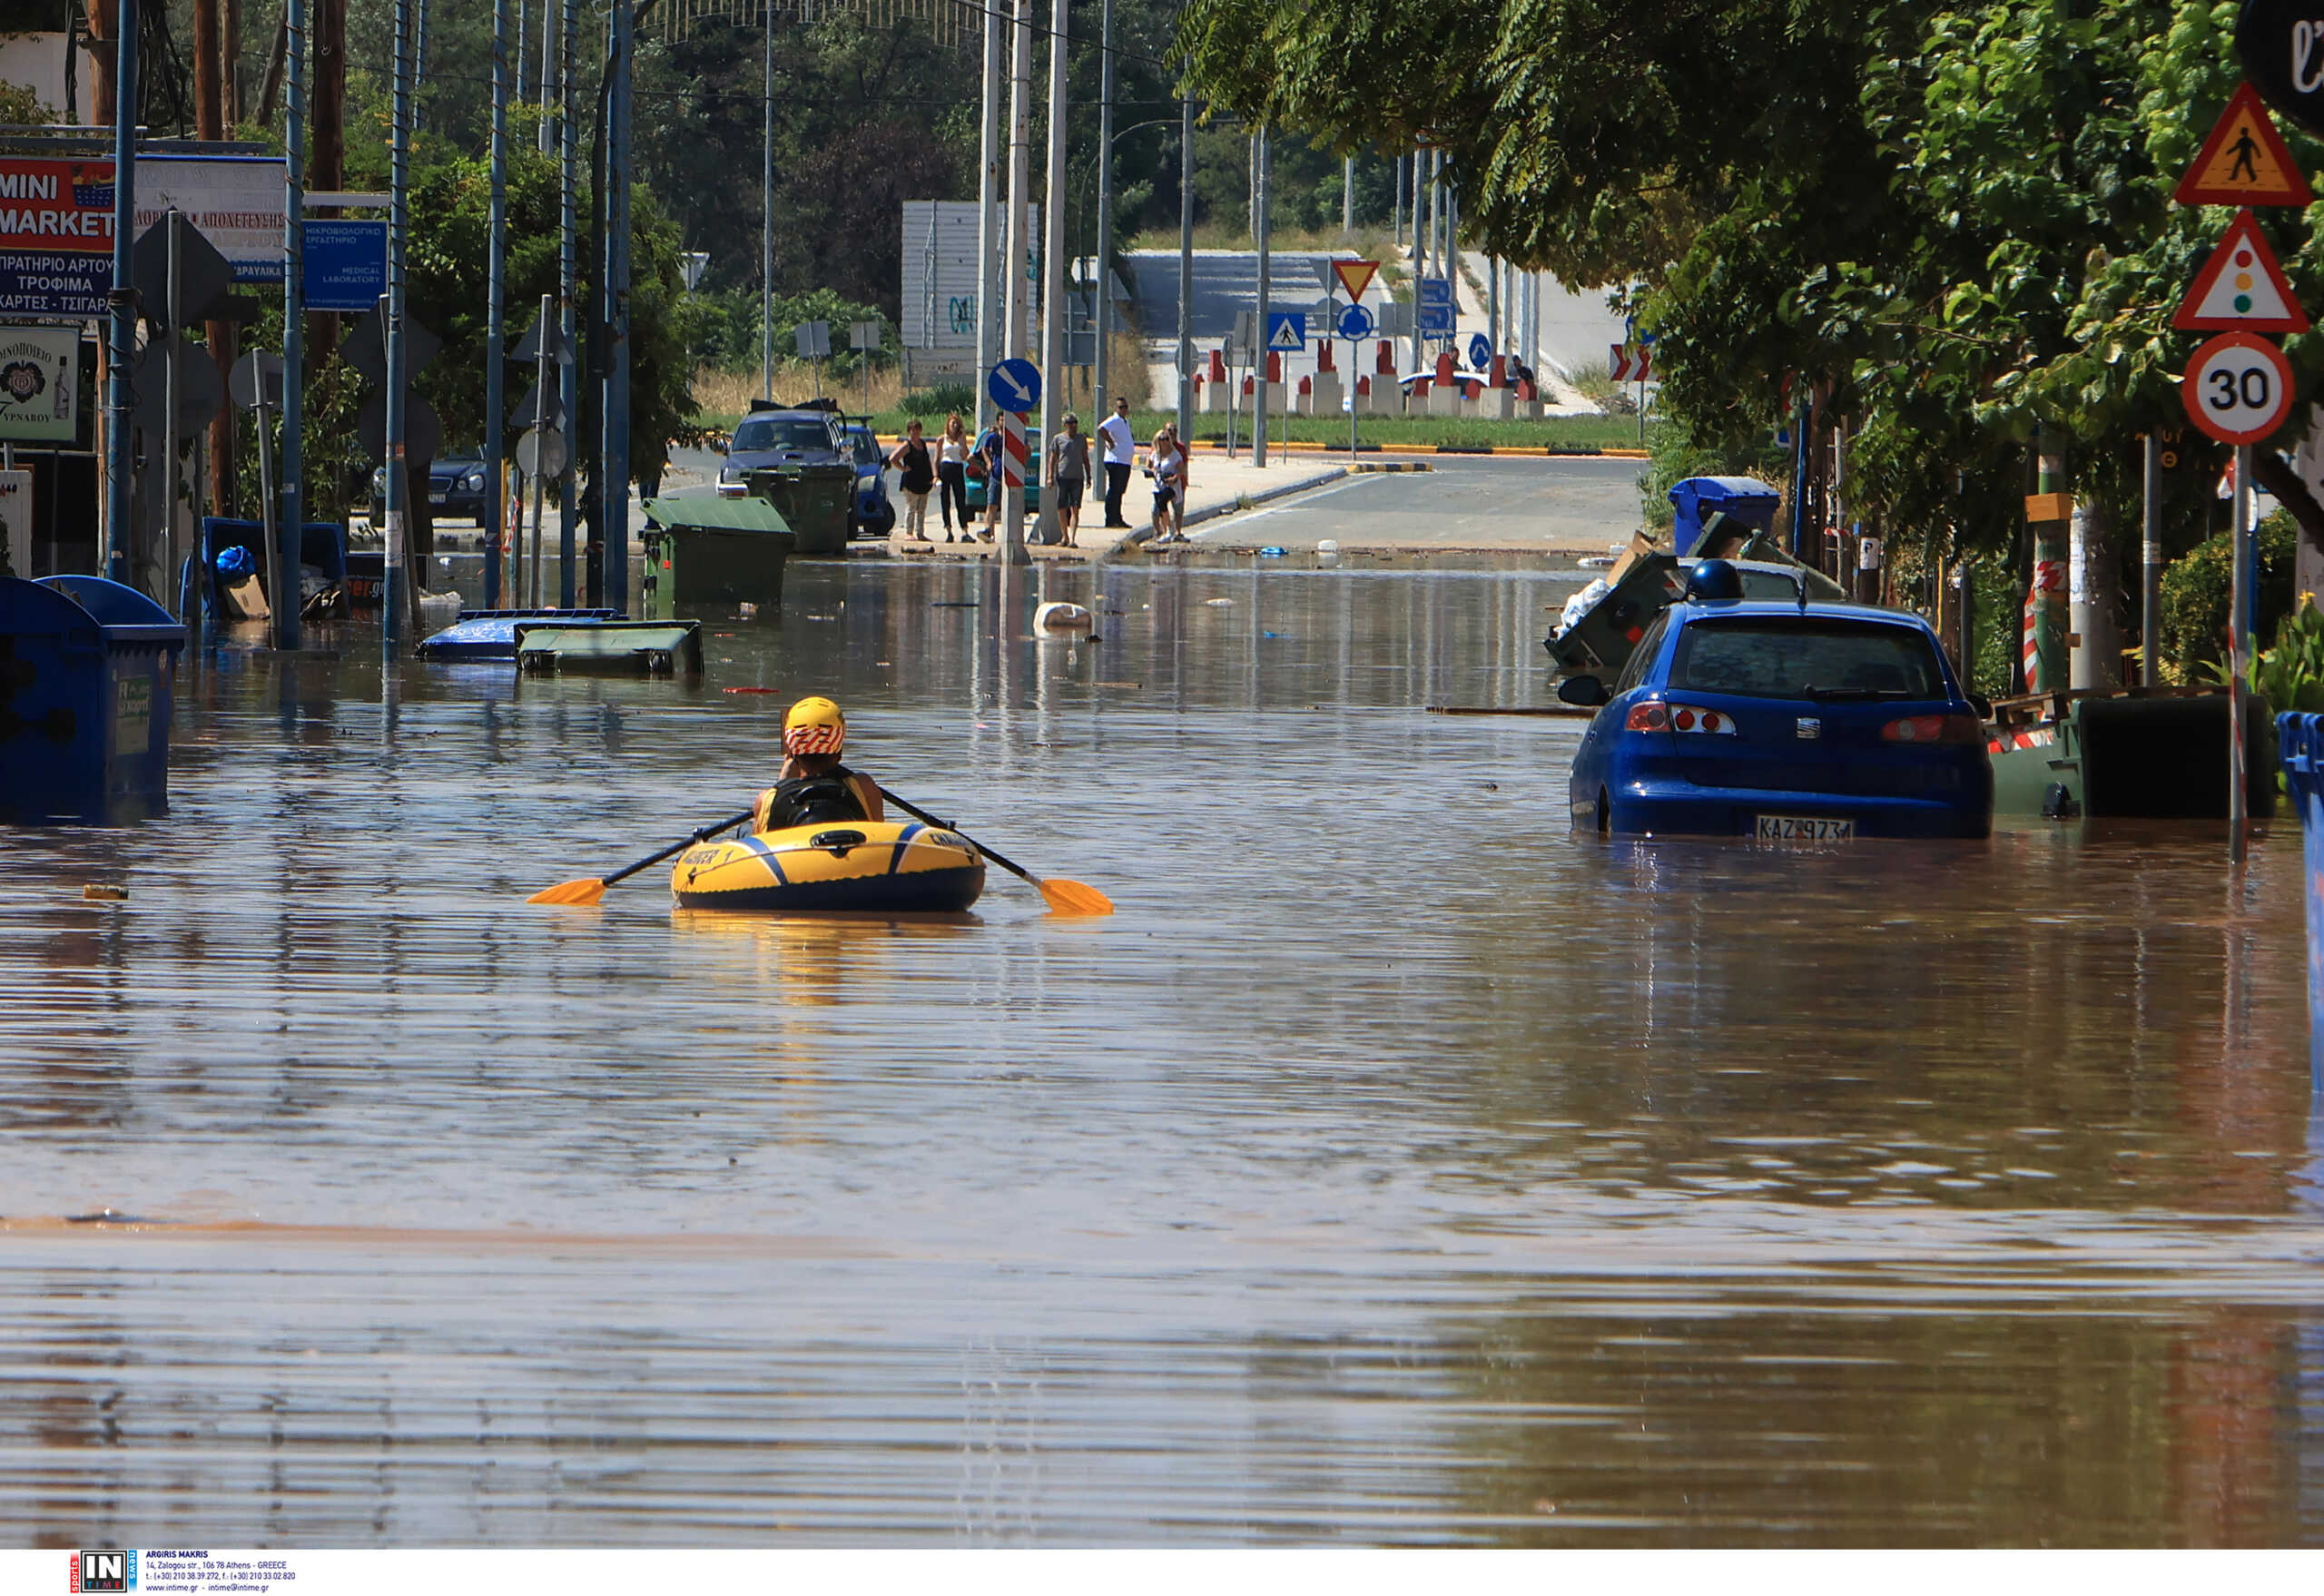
[
  {"x": 1934, "y": 728},
  {"x": 1686, "y": 717},
  {"x": 1648, "y": 717}
]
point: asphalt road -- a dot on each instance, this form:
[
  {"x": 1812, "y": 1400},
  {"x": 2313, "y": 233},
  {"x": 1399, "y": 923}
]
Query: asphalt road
[
  {"x": 1225, "y": 281},
  {"x": 1571, "y": 506}
]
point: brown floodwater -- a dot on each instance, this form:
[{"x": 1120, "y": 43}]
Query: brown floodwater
[{"x": 1394, "y": 1166}]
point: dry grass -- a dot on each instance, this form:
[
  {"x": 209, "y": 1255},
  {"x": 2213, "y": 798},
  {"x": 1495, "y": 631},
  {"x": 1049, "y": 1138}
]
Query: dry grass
[{"x": 723, "y": 397}]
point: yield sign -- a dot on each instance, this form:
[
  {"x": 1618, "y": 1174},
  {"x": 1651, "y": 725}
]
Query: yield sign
[
  {"x": 2240, "y": 288},
  {"x": 1355, "y": 276},
  {"x": 2244, "y": 161}
]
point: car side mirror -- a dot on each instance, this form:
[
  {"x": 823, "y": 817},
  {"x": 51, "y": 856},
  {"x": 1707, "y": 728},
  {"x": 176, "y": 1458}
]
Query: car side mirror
[
  {"x": 1982, "y": 706},
  {"x": 1587, "y": 692}
]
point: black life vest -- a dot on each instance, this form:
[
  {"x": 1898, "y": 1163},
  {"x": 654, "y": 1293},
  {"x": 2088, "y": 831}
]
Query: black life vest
[{"x": 814, "y": 801}]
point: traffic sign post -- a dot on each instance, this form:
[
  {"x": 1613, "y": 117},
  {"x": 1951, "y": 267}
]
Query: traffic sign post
[
  {"x": 1436, "y": 315},
  {"x": 2244, "y": 161},
  {"x": 1287, "y": 332},
  {"x": 1014, "y": 384},
  {"x": 2238, "y": 388},
  {"x": 813, "y": 341},
  {"x": 1356, "y": 325},
  {"x": 1355, "y": 276},
  {"x": 2240, "y": 288},
  {"x": 1480, "y": 352}
]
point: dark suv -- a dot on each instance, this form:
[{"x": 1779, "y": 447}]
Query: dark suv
[{"x": 783, "y": 438}]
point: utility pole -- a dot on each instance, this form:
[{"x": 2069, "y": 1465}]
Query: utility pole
[
  {"x": 1421, "y": 224},
  {"x": 568, "y": 265},
  {"x": 546, "y": 88},
  {"x": 1396, "y": 205},
  {"x": 1054, "y": 291},
  {"x": 1020, "y": 136},
  {"x": 1347, "y": 198},
  {"x": 1186, "y": 266},
  {"x": 2048, "y": 512},
  {"x": 2239, "y": 661},
  {"x": 394, "y": 593},
  {"x": 767, "y": 213},
  {"x": 293, "y": 511},
  {"x": 1492, "y": 304},
  {"x": 496, "y": 336},
  {"x": 614, "y": 493},
  {"x": 173, "y": 221},
  {"x": 991, "y": 312},
  {"x": 1102, "y": 316},
  {"x": 1259, "y": 376},
  {"x": 222, "y": 335},
  {"x": 2151, "y": 586}
]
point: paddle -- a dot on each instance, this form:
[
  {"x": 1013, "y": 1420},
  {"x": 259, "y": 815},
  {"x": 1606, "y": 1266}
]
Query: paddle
[
  {"x": 591, "y": 887},
  {"x": 1064, "y": 896}
]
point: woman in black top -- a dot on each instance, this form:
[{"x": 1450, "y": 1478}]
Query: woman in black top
[{"x": 911, "y": 457}]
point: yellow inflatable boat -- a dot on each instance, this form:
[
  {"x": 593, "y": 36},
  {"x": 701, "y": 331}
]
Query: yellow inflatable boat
[{"x": 862, "y": 865}]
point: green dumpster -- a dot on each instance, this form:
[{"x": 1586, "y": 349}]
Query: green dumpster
[
  {"x": 703, "y": 549},
  {"x": 812, "y": 500}
]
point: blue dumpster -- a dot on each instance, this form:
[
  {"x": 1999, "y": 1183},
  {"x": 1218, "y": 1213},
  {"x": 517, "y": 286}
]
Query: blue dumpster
[
  {"x": 322, "y": 548},
  {"x": 2299, "y": 744},
  {"x": 86, "y": 666},
  {"x": 1745, "y": 499}
]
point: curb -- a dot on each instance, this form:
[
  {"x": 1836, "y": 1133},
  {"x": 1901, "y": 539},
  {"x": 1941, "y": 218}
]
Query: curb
[{"x": 1136, "y": 540}]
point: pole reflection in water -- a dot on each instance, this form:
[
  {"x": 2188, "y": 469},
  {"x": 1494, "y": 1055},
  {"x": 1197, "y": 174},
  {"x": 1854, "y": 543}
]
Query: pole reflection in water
[{"x": 1394, "y": 1166}]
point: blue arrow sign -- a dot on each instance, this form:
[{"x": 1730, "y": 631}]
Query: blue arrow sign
[
  {"x": 1014, "y": 384},
  {"x": 1286, "y": 330},
  {"x": 1480, "y": 352},
  {"x": 1355, "y": 321}
]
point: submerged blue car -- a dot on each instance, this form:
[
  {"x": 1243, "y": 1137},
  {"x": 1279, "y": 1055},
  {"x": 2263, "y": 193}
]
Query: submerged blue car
[{"x": 1784, "y": 722}]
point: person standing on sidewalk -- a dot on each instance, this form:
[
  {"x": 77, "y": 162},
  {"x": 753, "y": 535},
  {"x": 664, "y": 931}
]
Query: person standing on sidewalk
[
  {"x": 1068, "y": 474},
  {"x": 1121, "y": 455},
  {"x": 953, "y": 474},
  {"x": 1168, "y": 463},
  {"x": 984, "y": 465},
  {"x": 911, "y": 459}
]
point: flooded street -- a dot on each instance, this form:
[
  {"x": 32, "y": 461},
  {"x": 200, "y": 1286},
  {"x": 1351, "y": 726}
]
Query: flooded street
[{"x": 1394, "y": 1166}]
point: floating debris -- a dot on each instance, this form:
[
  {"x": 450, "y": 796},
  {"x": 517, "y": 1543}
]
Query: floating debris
[{"x": 97, "y": 894}]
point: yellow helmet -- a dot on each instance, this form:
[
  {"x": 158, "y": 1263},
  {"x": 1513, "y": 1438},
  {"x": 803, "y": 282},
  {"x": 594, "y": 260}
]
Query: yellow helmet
[{"x": 814, "y": 725}]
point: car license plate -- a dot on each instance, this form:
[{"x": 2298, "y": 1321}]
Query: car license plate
[
  {"x": 437, "y": 497},
  {"x": 1804, "y": 828}
]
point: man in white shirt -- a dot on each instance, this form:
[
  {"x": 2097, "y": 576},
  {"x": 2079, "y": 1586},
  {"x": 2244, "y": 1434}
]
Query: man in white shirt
[{"x": 1121, "y": 454}]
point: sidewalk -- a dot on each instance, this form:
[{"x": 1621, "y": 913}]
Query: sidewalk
[{"x": 1216, "y": 487}]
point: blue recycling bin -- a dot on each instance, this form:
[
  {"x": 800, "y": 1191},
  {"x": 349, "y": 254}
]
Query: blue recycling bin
[
  {"x": 1745, "y": 499},
  {"x": 2299, "y": 744},
  {"x": 86, "y": 669}
]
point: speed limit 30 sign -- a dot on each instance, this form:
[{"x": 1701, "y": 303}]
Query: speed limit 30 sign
[{"x": 2238, "y": 387}]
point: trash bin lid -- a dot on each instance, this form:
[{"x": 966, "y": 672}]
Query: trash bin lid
[
  {"x": 122, "y": 613},
  {"x": 1718, "y": 493}
]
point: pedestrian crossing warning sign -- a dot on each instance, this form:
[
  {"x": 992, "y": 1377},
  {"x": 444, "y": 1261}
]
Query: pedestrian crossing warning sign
[
  {"x": 2240, "y": 288},
  {"x": 2244, "y": 161}
]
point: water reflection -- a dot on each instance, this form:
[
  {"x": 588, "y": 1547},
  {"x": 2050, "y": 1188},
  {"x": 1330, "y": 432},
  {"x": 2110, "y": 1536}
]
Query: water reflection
[{"x": 1392, "y": 1165}]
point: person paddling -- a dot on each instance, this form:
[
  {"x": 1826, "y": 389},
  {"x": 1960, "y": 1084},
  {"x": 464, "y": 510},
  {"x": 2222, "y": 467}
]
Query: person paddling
[{"x": 815, "y": 788}]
